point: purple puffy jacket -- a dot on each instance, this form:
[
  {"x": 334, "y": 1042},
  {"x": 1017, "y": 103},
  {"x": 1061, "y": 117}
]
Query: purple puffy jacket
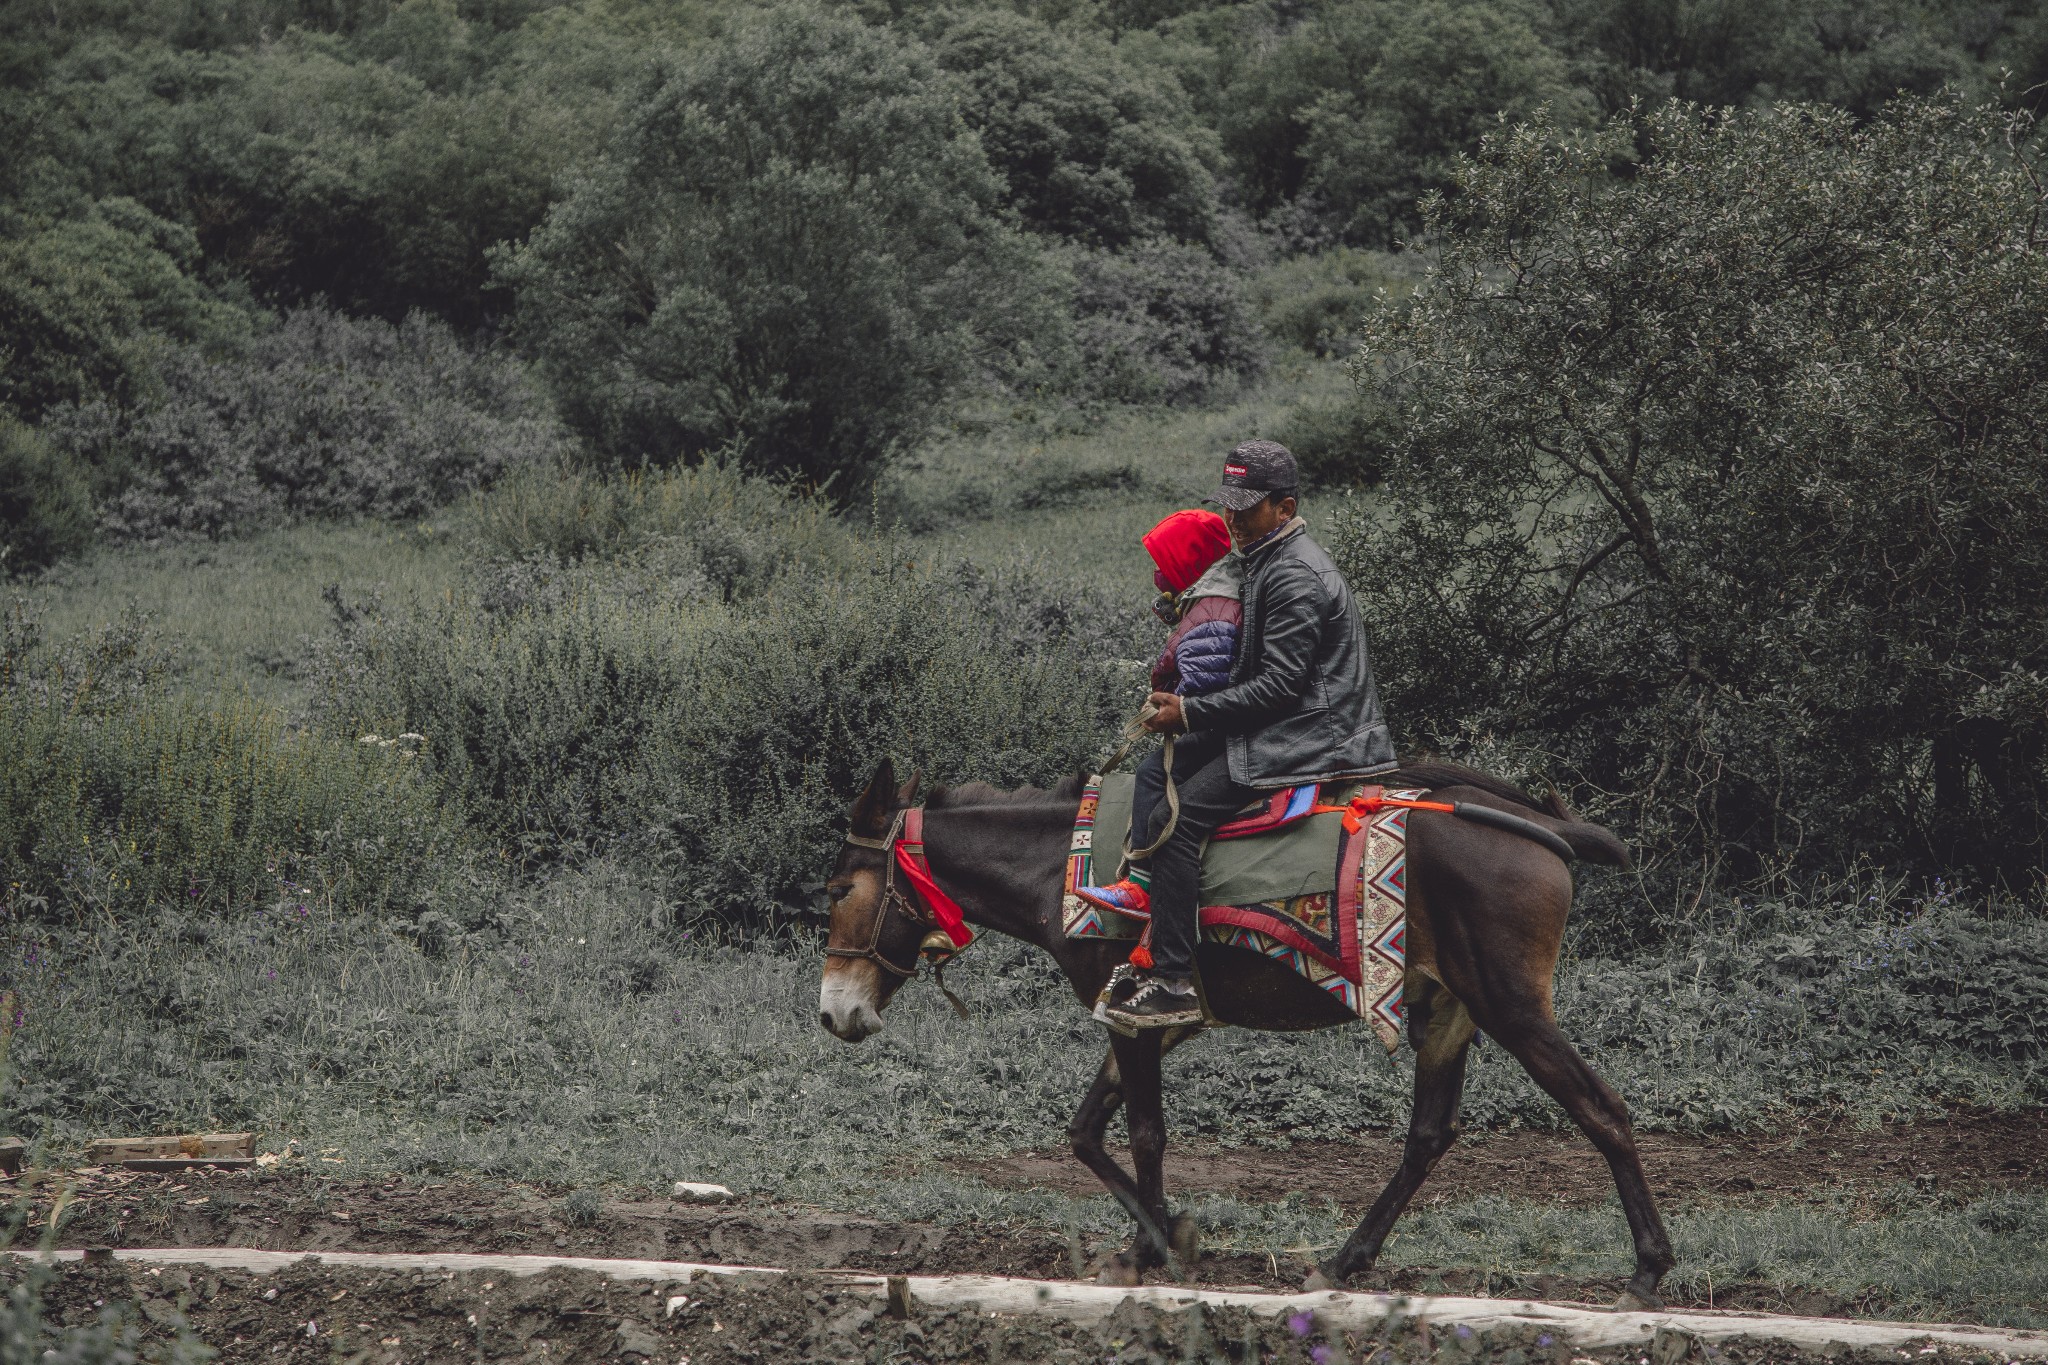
[{"x": 1198, "y": 653}]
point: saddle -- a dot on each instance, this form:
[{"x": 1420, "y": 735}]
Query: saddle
[{"x": 1292, "y": 877}]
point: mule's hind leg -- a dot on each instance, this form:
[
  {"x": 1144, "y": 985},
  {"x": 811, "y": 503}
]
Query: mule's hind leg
[
  {"x": 1445, "y": 1028},
  {"x": 1548, "y": 1056}
]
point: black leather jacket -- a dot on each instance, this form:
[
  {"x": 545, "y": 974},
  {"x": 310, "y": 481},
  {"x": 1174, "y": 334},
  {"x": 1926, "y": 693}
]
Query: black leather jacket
[{"x": 1301, "y": 705}]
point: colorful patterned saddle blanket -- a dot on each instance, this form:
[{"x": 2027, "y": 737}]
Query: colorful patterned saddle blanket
[{"x": 1285, "y": 879}]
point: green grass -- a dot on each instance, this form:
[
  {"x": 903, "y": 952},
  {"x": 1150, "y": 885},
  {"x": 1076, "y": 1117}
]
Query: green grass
[
  {"x": 236, "y": 613},
  {"x": 571, "y": 1044},
  {"x": 1084, "y": 497},
  {"x": 562, "y": 1030}
]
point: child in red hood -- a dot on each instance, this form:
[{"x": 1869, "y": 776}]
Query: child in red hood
[{"x": 1201, "y": 584}]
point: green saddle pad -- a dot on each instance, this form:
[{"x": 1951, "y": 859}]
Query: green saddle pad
[{"x": 1297, "y": 860}]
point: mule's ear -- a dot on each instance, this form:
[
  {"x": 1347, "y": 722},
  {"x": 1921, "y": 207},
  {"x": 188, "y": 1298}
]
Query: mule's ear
[
  {"x": 907, "y": 794},
  {"x": 875, "y": 806}
]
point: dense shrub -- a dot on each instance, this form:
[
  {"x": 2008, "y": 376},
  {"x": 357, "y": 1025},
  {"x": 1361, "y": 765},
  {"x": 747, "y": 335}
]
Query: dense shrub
[
  {"x": 1715, "y": 483},
  {"x": 320, "y": 416},
  {"x": 119, "y": 797},
  {"x": 90, "y": 297},
  {"x": 707, "y": 522},
  {"x": 1340, "y": 444},
  {"x": 620, "y": 705},
  {"x": 794, "y": 244},
  {"x": 1161, "y": 322},
  {"x": 1365, "y": 107},
  {"x": 45, "y": 502},
  {"x": 1093, "y": 147},
  {"x": 376, "y": 174},
  {"x": 1316, "y": 302}
]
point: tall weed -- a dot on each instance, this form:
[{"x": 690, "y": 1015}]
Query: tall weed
[
  {"x": 120, "y": 798},
  {"x": 614, "y": 705}
]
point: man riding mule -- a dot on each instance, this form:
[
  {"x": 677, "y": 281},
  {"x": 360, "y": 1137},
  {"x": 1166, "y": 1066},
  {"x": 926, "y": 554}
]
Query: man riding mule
[
  {"x": 1300, "y": 707},
  {"x": 1488, "y": 889}
]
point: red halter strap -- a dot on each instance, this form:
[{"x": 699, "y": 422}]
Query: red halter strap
[{"x": 917, "y": 870}]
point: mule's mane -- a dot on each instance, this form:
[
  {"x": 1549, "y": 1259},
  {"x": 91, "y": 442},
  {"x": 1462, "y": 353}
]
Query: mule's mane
[{"x": 982, "y": 794}]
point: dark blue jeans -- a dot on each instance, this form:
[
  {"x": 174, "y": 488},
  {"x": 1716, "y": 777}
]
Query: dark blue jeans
[{"x": 1208, "y": 798}]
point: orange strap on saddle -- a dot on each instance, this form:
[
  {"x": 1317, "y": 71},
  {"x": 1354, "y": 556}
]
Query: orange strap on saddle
[{"x": 1371, "y": 801}]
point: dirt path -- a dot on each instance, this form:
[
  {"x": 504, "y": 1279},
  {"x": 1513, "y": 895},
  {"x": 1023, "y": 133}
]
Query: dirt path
[
  {"x": 314, "y": 1313},
  {"x": 295, "y": 1210},
  {"x": 1963, "y": 1155}
]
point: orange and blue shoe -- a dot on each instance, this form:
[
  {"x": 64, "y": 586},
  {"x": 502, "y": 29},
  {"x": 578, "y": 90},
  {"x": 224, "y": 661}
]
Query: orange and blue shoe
[{"x": 1125, "y": 897}]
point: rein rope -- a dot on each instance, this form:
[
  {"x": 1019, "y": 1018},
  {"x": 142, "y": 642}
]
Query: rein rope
[{"x": 1134, "y": 731}]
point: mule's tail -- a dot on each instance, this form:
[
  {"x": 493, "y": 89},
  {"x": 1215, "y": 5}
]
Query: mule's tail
[{"x": 1594, "y": 843}]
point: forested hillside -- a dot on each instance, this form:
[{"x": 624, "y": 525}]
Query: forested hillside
[{"x": 816, "y": 231}]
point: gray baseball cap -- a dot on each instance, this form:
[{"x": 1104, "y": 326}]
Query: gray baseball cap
[{"x": 1254, "y": 470}]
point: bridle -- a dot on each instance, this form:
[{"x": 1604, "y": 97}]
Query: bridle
[{"x": 905, "y": 838}]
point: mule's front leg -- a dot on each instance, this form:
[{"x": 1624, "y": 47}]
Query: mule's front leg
[
  {"x": 1138, "y": 1060},
  {"x": 1146, "y": 1203}
]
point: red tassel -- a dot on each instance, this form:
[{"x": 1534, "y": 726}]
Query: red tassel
[{"x": 1141, "y": 958}]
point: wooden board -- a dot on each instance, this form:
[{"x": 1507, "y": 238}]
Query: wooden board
[
  {"x": 108, "y": 1151},
  {"x": 188, "y": 1163},
  {"x": 1592, "y": 1328}
]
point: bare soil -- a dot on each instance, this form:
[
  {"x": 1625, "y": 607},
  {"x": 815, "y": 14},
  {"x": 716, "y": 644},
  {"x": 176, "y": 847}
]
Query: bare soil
[
  {"x": 293, "y": 1208},
  {"x": 1964, "y": 1154},
  {"x": 312, "y": 1312}
]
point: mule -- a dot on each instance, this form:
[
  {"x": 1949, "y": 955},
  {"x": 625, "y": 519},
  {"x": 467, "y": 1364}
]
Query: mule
[{"x": 1486, "y": 914}]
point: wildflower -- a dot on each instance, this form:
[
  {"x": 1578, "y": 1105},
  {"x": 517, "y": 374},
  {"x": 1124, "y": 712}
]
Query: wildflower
[
  {"x": 1320, "y": 1355},
  {"x": 367, "y": 739},
  {"x": 1301, "y": 1324}
]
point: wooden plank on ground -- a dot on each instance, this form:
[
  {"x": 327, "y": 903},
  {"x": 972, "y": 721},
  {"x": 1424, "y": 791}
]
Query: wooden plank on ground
[
  {"x": 1089, "y": 1303},
  {"x": 188, "y": 1163},
  {"x": 108, "y": 1151}
]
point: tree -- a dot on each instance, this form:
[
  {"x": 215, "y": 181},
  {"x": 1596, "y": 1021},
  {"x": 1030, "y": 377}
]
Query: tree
[
  {"x": 1720, "y": 483},
  {"x": 1093, "y": 147},
  {"x": 89, "y": 296},
  {"x": 1366, "y": 108},
  {"x": 793, "y": 243}
]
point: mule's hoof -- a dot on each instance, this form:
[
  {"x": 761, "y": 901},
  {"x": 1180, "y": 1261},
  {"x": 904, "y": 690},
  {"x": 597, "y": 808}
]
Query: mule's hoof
[
  {"x": 1634, "y": 1301},
  {"x": 1120, "y": 1273},
  {"x": 1317, "y": 1282},
  {"x": 1184, "y": 1234}
]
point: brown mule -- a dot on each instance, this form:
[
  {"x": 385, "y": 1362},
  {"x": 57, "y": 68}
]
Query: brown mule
[{"x": 1486, "y": 915}]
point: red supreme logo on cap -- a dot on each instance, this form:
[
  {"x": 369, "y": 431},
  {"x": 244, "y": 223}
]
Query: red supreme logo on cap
[{"x": 1233, "y": 471}]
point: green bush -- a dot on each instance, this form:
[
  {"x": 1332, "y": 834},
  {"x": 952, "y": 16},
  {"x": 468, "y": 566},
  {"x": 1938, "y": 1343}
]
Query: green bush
[
  {"x": 89, "y": 299},
  {"x": 1728, "y": 514},
  {"x": 738, "y": 533},
  {"x": 1317, "y": 302},
  {"x": 1161, "y": 322},
  {"x": 319, "y": 415},
  {"x": 1094, "y": 147},
  {"x": 119, "y": 798},
  {"x": 45, "y": 502},
  {"x": 1365, "y": 107},
  {"x": 1341, "y": 444},
  {"x": 617, "y": 706},
  {"x": 794, "y": 246}
]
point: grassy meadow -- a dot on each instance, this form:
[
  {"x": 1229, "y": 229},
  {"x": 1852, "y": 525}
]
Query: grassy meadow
[{"x": 572, "y": 1005}]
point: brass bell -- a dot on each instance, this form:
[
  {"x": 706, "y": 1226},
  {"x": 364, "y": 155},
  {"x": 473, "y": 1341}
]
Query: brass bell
[{"x": 937, "y": 946}]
